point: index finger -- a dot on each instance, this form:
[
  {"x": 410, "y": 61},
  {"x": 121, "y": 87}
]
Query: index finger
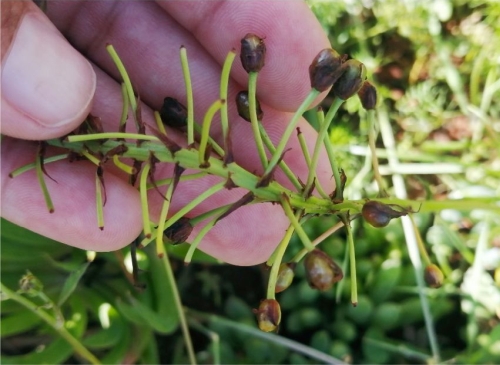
[{"x": 292, "y": 34}]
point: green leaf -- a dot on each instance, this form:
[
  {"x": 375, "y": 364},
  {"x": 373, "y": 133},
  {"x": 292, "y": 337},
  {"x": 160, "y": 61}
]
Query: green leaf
[
  {"x": 19, "y": 322},
  {"x": 71, "y": 283}
]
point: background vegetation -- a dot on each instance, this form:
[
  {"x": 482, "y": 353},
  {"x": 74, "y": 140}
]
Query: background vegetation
[{"x": 436, "y": 66}]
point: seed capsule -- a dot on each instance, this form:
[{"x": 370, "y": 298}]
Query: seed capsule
[
  {"x": 179, "y": 231},
  {"x": 324, "y": 69},
  {"x": 285, "y": 277},
  {"x": 268, "y": 315},
  {"x": 368, "y": 95},
  {"x": 433, "y": 276},
  {"x": 243, "y": 105},
  {"x": 379, "y": 214},
  {"x": 321, "y": 271},
  {"x": 173, "y": 113},
  {"x": 351, "y": 80},
  {"x": 253, "y": 53}
]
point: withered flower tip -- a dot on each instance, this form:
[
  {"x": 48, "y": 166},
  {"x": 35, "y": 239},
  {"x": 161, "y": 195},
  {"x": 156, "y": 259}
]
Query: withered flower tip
[
  {"x": 173, "y": 113},
  {"x": 324, "y": 69},
  {"x": 179, "y": 231},
  {"x": 368, "y": 95},
  {"x": 433, "y": 276},
  {"x": 268, "y": 315},
  {"x": 253, "y": 53},
  {"x": 243, "y": 105},
  {"x": 321, "y": 271},
  {"x": 353, "y": 74}
]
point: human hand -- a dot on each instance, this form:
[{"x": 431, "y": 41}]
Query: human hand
[{"x": 48, "y": 88}]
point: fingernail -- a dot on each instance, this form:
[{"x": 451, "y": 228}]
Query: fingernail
[{"x": 44, "y": 77}]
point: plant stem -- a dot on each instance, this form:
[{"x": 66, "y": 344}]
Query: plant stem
[
  {"x": 207, "y": 121},
  {"x": 144, "y": 199},
  {"x": 224, "y": 84},
  {"x": 278, "y": 257},
  {"x": 189, "y": 95},
  {"x": 32, "y": 165},
  {"x": 41, "y": 182},
  {"x": 352, "y": 261},
  {"x": 180, "y": 309},
  {"x": 52, "y": 322},
  {"x": 252, "y": 86},
  {"x": 290, "y": 128}
]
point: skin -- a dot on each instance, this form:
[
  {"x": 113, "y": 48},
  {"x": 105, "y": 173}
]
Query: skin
[{"x": 44, "y": 97}]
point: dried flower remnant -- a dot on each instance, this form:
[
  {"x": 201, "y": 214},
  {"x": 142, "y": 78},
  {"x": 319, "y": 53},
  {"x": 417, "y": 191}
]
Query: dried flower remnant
[
  {"x": 321, "y": 271},
  {"x": 173, "y": 113},
  {"x": 253, "y": 53},
  {"x": 433, "y": 276},
  {"x": 350, "y": 81},
  {"x": 243, "y": 105},
  {"x": 368, "y": 95},
  {"x": 268, "y": 315},
  {"x": 379, "y": 214},
  {"x": 179, "y": 231},
  {"x": 324, "y": 69}
]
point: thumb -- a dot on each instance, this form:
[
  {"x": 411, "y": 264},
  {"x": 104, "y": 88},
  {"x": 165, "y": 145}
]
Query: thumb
[{"x": 47, "y": 86}]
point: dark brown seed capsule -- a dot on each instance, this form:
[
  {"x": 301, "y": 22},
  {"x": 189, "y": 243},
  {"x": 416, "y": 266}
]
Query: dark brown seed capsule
[
  {"x": 379, "y": 214},
  {"x": 285, "y": 277},
  {"x": 350, "y": 81},
  {"x": 173, "y": 113},
  {"x": 368, "y": 95},
  {"x": 433, "y": 276},
  {"x": 243, "y": 105},
  {"x": 321, "y": 271},
  {"x": 253, "y": 53},
  {"x": 324, "y": 69},
  {"x": 179, "y": 231},
  {"x": 268, "y": 315}
]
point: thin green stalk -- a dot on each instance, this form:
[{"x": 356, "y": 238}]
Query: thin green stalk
[
  {"x": 143, "y": 192},
  {"x": 373, "y": 151},
  {"x": 160, "y": 248},
  {"x": 197, "y": 240},
  {"x": 352, "y": 260},
  {"x": 52, "y": 322},
  {"x": 287, "y": 171},
  {"x": 252, "y": 91},
  {"x": 420, "y": 242},
  {"x": 126, "y": 79},
  {"x": 159, "y": 123},
  {"x": 278, "y": 257},
  {"x": 215, "y": 146},
  {"x": 401, "y": 349},
  {"x": 180, "y": 310},
  {"x": 295, "y": 222},
  {"x": 205, "y": 131},
  {"x": 290, "y": 128},
  {"x": 126, "y": 105},
  {"x": 300, "y": 255},
  {"x": 110, "y": 135},
  {"x": 213, "y": 337},
  {"x": 189, "y": 95},
  {"x": 32, "y": 165},
  {"x": 123, "y": 166},
  {"x": 186, "y": 177},
  {"x": 307, "y": 156},
  {"x": 331, "y": 157},
  {"x": 91, "y": 158},
  {"x": 99, "y": 203},
  {"x": 41, "y": 182},
  {"x": 224, "y": 84},
  {"x": 323, "y": 132}
]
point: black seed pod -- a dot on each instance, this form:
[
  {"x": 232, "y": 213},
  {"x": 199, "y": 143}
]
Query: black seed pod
[
  {"x": 173, "y": 113},
  {"x": 368, "y": 95},
  {"x": 253, "y": 53},
  {"x": 268, "y": 315},
  {"x": 379, "y": 214},
  {"x": 285, "y": 277},
  {"x": 324, "y": 69},
  {"x": 243, "y": 106},
  {"x": 321, "y": 271},
  {"x": 179, "y": 231},
  {"x": 433, "y": 276},
  {"x": 351, "y": 80}
]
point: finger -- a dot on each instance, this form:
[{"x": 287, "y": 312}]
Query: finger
[
  {"x": 47, "y": 86},
  {"x": 74, "y": 220},
  {"x": 138, "y": 31},
  {"x": 293, "y": 37}
]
